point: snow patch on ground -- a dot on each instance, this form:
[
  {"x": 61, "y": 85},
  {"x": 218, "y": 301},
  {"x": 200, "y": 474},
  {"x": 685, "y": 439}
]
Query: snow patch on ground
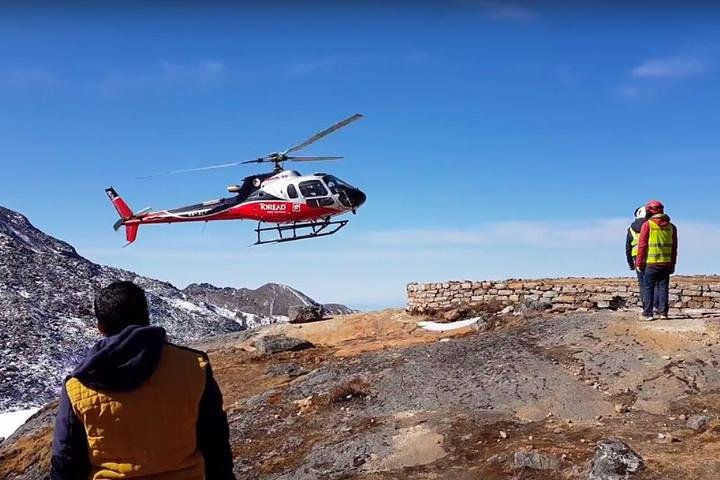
[
  {"x": 250, "y": 320},
  {"x": 11, "y": 421},
  {"x": 443, "y": 327}
]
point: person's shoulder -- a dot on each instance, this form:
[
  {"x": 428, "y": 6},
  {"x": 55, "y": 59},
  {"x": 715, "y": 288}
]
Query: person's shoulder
[
  {"x": 183, "y": 348},
  {"x": 200, "y": 356}
]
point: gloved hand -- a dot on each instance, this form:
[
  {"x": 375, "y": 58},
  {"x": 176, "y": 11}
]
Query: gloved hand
[{"x": 632, "y": 267}]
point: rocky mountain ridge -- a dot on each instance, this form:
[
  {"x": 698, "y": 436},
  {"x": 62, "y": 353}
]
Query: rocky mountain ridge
[
  {"x": 46, "y": 316},
  {"x": 263, "y": 305}
]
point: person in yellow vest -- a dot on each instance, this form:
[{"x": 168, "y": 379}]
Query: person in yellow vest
[
  {"x": 656, "y": 259},
  {"x": 138, "y": 406}
]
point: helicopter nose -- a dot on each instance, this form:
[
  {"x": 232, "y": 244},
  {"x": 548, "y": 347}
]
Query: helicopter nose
[{"x": 356, "y": 197}]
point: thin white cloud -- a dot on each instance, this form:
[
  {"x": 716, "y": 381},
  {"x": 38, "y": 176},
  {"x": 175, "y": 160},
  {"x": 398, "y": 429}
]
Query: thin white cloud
[
  {"x": 652, "y": 74},
  {"x": 670, "y": 67},
  {"x": 541, "y": 235},
  {"x": 203, "y": 74},
  {"x": 306, "y": 68},
  {"x": 507, "y": 11},
  {"x": 25, "y": 77}
]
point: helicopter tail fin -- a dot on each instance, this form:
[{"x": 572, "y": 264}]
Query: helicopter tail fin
[
  {"x": 120, "y": 205},
  {"x": 131, "y": 230}
]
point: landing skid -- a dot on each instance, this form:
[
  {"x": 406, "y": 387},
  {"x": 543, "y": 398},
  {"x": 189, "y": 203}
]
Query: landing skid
[{"x": 299, "y": 231}]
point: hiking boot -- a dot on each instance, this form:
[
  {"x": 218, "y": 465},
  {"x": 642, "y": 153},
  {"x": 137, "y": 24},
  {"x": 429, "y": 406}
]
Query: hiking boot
[{"x": 646, "y": 318}]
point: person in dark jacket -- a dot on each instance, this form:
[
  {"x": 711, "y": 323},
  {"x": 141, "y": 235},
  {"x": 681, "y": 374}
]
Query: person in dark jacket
[
  {"x": 632, "y": 237},
  {"x": 656, "y": 258},
  {"x": 138, "y": 406},
  {"x": 631, "y": 247}
]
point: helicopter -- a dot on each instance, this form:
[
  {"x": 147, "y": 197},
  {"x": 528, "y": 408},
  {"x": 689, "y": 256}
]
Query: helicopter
[{"x": 298, "y": 206}]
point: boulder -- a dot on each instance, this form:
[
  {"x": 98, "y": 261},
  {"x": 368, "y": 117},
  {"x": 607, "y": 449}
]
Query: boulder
[
  {"x": 281, "y": 343},
  {"x": 536, "y": 461},
  {"x": 452, "y": 315},
  {"x": 305, "y": 313},
  {"x": 698, "y": 422},
  {"x": 614, "y": 460},
  {"x": 532, "y": 306}
]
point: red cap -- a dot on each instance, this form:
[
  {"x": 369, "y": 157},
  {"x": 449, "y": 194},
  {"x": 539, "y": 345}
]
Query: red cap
[{"x": 654, "y": 207}]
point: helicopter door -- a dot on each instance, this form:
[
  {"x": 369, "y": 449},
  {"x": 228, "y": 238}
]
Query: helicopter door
[{"x": 315, "y": 194}]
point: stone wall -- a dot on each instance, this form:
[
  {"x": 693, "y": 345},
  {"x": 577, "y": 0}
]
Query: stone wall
[{"x": 696, "y": 293}]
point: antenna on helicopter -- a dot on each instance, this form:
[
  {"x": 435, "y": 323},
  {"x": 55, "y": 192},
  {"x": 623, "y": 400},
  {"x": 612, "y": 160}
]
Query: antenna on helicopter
[{"x": 278, "y": 158}]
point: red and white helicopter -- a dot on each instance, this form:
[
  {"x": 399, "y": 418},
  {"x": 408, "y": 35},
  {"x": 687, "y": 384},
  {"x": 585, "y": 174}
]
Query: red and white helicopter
[{"x": 299, "y": 206}]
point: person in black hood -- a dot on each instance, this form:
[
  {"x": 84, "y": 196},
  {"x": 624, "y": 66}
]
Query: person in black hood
[{"x": 138, "y": 406}]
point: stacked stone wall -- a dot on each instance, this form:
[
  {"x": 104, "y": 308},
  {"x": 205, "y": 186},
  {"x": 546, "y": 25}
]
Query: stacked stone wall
[{"x": 686, "y": 294}]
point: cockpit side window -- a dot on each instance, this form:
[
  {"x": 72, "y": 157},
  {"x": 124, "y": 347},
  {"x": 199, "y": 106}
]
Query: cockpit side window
[
  {"x": 292, "y": 191},
  {"x": 312, "y": 188},
  {"x": 335, "y": 184},
  {"x": 332, "y": 183}
]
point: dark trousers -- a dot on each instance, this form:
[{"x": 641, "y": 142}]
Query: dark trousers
[
  {"x": 641, "y": 277},
  {"x": 655, "y": 288}
]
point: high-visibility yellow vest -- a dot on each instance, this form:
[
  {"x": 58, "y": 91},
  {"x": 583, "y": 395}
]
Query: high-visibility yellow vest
[
  {"x": 635, "y": 240},
  {"x": 660, "y": 243}
]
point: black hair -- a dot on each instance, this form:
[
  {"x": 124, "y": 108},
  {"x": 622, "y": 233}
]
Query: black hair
[{"x": 119, "y": 305}]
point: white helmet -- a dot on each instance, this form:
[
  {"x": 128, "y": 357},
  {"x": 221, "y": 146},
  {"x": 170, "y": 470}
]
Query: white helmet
[{"x": 640, "y": 212}]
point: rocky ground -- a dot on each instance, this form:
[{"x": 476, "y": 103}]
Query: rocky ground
[{"x": 522, "y": 398}]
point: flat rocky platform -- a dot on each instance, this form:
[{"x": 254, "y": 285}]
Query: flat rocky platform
[{"x": 379, "y": 398}]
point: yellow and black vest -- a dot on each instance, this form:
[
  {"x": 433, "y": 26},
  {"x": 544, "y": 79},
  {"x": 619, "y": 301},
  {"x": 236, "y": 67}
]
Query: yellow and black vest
[
  {"x": 660, "y": 243},
  {"x": 634, "y": 243},
  {"x": 147, "y": 433}
]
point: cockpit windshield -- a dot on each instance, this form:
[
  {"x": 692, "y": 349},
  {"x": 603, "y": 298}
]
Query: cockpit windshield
[
  {"x": 335, "y": 184},
  {"x": 312, "y": 188}
]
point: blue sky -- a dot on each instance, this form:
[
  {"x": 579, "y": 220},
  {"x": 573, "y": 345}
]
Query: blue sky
[{"x": 499, "y": 139}]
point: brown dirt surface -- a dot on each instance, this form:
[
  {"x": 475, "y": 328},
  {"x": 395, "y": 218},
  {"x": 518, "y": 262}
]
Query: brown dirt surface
[{"x": 457, "y": 405}]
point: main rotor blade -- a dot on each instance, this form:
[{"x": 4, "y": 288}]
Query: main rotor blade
[
  {"x": 325, "y": 132},
  {"x": 211, "y": 167},
  {"x": 312, "y": 159}
]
